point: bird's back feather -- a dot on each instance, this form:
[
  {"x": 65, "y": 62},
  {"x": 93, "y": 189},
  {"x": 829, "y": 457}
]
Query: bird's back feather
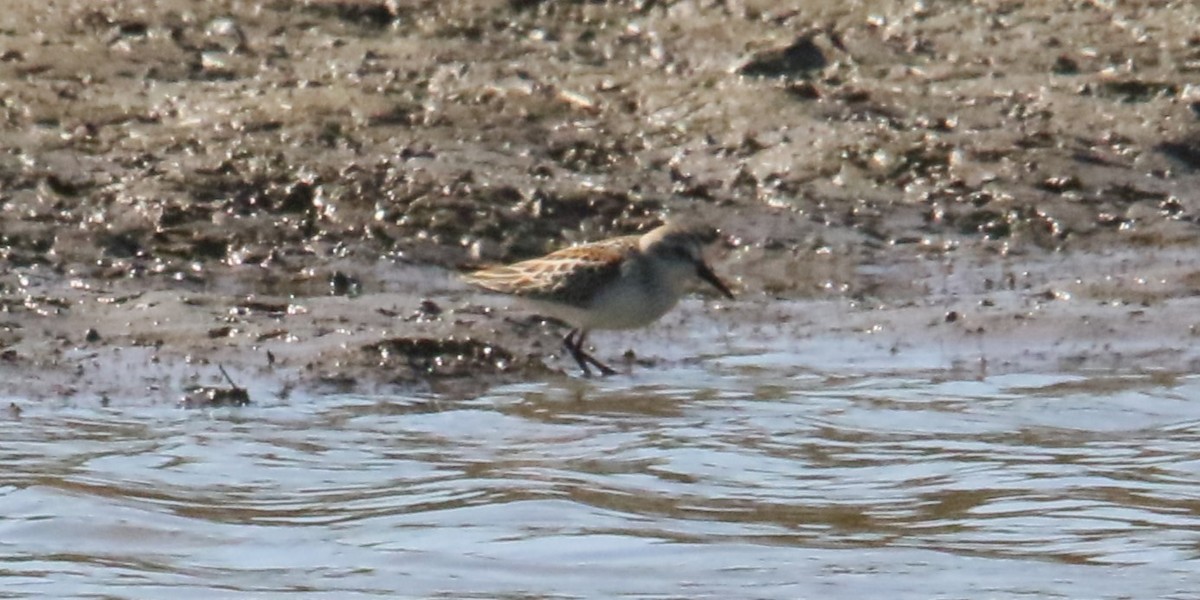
[{"x": 570, "y": 276}]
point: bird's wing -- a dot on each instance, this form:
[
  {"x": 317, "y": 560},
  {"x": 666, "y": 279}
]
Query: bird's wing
[{"x": 571, "y": 275}]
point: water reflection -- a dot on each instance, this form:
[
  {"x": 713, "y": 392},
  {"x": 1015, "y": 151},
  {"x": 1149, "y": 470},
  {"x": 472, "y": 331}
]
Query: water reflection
[{"x": 744, "y": 482}]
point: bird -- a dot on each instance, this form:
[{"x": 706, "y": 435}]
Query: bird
[{"x": 624, "y": 282}]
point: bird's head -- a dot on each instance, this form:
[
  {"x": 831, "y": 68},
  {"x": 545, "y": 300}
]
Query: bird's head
[{"x": 681, "y": 247}]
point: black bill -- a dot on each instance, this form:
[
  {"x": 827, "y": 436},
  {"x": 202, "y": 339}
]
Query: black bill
[{"x": 705, "y": 273}]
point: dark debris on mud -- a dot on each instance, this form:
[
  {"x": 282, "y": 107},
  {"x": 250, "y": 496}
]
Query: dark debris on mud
[
  {"x": 409, "y": 359},
  {"x": 208, "y": 396},
  {"x": 451, "y": 365}
]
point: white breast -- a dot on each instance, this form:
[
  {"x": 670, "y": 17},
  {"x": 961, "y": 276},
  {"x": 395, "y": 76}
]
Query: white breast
[
  {"x": 628, "y": 306},
  {"x": 646, "y": 290}
]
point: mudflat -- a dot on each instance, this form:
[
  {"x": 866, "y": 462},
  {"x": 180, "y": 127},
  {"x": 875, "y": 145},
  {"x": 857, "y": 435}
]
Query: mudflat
[{"x": 289, "y": 189}]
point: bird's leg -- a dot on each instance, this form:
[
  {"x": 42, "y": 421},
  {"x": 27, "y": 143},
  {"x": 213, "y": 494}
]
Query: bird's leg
[
  {"x": 581, "y": 353},
  {"x": 573, "y": 347}
]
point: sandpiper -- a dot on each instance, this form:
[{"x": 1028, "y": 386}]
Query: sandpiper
[{"x": 619, "y": 283}]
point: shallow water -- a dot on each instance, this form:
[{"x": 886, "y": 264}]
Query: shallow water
[{"x": 736, "y": 481}]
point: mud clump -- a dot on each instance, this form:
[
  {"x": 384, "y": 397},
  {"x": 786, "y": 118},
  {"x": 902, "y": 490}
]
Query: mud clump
[
  {"x": 408, "y": 359},
  {"x": 203, "y": 396},
  {"x": 214, "y": 397},
  {"x": 799, "y": 59}
]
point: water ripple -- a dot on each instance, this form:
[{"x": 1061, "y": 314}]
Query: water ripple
[{"x": 741, "y": 484}]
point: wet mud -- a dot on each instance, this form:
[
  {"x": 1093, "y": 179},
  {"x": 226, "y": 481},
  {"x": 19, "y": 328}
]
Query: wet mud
[{"x": 289, "y": 189}]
